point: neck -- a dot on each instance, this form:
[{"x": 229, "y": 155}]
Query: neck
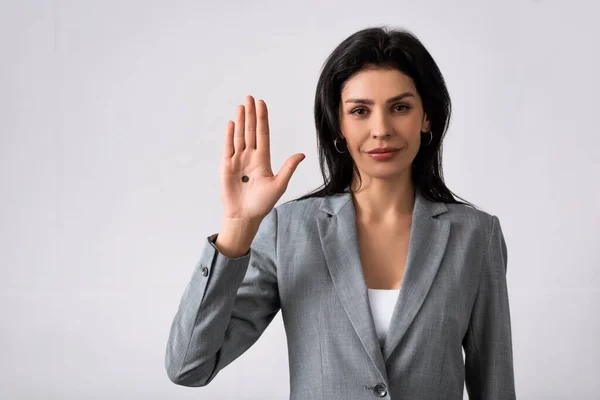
[{"x": 384, "y": 200}]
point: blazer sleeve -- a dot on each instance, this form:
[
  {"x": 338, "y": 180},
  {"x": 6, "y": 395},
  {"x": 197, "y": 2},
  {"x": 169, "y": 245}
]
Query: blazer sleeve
[
  {"x": 488, "y": 342},
  {"x": 224, "y": 309}
]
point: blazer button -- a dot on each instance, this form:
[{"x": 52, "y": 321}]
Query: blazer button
[
  {"x": 380, "y": 390},
  {"x": 204, "y": 271}
]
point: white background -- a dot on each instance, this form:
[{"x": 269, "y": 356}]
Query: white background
[{"x": 112, "y": 116}]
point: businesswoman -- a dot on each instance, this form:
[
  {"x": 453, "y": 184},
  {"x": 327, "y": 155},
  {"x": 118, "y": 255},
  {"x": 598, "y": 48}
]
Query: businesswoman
[{"x": 382, "y": 276}]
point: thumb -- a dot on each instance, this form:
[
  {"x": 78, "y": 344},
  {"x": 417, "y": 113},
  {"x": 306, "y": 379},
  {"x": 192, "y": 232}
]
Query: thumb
[{"x": 289, "y": 167}]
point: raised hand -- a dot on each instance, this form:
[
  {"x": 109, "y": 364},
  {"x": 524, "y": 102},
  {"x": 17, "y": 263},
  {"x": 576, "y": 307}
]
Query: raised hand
[{"x": 249, "y": 190}]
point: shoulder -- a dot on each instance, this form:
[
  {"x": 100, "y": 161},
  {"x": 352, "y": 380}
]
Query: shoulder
[
  {"x": 299, "y": 209},
  {"x": 477, "y": 221},
  {"x": 466, "y": 212}
]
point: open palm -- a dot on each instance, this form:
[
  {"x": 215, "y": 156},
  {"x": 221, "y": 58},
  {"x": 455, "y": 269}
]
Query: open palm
[{"x": 247, "y": 154}]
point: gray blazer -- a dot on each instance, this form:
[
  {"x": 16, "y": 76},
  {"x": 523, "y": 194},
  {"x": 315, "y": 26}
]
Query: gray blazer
[{"x": 305, "y": 261}]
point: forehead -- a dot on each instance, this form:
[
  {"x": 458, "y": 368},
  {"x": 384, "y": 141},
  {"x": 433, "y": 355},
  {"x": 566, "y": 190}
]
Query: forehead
[{"x": 378, "y": 84}]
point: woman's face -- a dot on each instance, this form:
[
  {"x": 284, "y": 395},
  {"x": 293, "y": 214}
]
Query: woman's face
[{"x": 381, "y": 108}]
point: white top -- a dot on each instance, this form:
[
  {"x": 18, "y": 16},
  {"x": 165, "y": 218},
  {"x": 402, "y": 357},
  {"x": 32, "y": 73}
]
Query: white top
[{"x": 382, "y": 303}]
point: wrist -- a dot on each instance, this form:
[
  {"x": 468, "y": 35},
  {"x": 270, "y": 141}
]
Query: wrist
[{"x": 236, "y": 236}]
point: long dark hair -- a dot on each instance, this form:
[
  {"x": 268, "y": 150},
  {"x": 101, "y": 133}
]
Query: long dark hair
[{"x": 381, "y": 47}]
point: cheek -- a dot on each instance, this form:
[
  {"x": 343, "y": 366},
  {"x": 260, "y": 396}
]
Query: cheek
[
  {"x": 353, "y": 141},
  {"x": 356, "y": 149}
]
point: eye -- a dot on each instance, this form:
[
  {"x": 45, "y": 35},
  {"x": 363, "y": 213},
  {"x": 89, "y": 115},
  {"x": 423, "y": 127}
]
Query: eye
[
  {"x": 355, "y": 111},
  {"x": 402, "y": 105},
  {"x": 361, "y": 111}
]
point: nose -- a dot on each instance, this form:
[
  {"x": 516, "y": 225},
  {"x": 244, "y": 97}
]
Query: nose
[
  {"x": 377, "y": 135},
  {"x": 380, "y": 127}
]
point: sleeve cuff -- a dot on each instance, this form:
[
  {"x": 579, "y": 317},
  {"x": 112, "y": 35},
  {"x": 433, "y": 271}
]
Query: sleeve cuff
[{"x": 211, "y": 240}]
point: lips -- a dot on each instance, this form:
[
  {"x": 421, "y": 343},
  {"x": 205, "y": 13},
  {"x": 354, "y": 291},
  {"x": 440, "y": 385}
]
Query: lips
[{"x": 380, "y": 150}]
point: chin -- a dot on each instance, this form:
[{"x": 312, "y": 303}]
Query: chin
[{"x": 388, "y": 172}]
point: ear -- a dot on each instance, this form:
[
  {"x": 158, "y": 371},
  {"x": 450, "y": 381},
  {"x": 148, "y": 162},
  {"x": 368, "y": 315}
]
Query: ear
[{"x": 426, "y": 123}]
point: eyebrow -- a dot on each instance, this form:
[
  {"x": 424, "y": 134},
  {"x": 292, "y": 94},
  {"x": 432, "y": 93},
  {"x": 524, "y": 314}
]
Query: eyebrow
[{"x": 371, "y": 102}]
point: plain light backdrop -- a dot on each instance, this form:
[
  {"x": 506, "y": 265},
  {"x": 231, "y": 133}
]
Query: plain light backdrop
[{"x": 112, "y": 115}]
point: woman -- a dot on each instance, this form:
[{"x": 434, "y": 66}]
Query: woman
[{"x": 381, "y": 275}]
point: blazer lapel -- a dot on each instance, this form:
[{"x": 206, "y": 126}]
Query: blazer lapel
[
  {"x": 427, "y": 244},
  {"x": 426, "y": 247},
  {"x": 337, "y": 231}
]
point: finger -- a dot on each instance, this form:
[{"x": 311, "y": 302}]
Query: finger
[
  {"x": 262, "y": 127},
  {"x": 238, "y": 135},
  {"x": 289, "y": 167},
  {"x": 228, "y": 148},
  {"x": 250, "y": 131}
]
